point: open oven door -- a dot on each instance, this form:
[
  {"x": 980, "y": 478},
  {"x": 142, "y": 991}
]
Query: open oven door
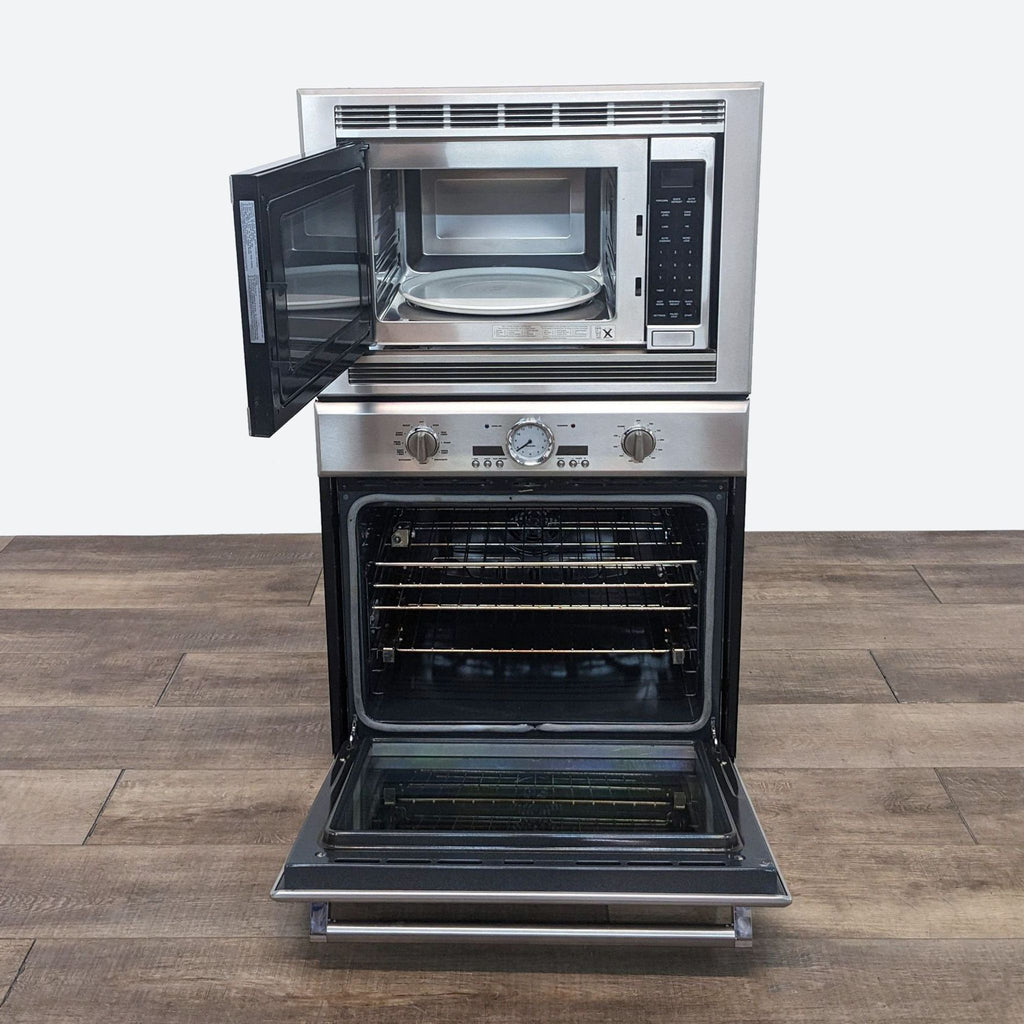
[
  {"x": 579, "y": 775},
  {"x": 304, "y": 275},
  {"x": 413, "y": 838}
]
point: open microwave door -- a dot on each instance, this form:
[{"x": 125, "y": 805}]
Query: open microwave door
[{"x": 304, "y": 278}]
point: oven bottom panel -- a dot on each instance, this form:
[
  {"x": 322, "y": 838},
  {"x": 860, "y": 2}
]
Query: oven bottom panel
[{"x": 532, "y": 822}]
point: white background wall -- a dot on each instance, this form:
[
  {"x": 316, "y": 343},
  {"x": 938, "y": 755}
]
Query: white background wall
[{"x": 888, "y": 330}]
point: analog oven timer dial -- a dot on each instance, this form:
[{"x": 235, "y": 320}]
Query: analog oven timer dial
[{"x": 530, "y": 442}]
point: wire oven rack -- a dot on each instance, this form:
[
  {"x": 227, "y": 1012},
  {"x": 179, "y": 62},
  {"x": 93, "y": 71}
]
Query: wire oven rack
[{"x": 576, "y": 581}]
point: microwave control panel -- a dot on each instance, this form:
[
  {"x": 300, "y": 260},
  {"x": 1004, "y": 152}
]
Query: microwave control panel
[
  {"x": 680, "y": 215},
  {"x": 675, "y": 243}
]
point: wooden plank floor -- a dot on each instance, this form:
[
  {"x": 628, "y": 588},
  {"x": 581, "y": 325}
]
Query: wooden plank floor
[{"x": 163, "y": 727}]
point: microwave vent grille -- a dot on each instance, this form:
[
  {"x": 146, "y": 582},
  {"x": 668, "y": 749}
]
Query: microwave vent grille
[
  {"x": 413, "y": 117},
  {"x": 523, "y": 372}
]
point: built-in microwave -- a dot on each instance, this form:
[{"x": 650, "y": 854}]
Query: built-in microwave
[{"x": 437, "y": 246}]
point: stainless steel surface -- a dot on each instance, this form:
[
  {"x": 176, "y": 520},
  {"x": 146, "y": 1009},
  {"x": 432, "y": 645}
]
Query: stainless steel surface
[
  {"x": 673, "y": 338},
  {"x": 317, "y": 110},
  {"x": 627, "y": 157},
  {"x": 510, "y": 896},
  {"x": 743, "y": 926},
  {"x": 741, "y": 127},
  {"x": 589, "y": 935},
  {"x": 703, "y": 149},
  {"x": 318, "y": 918},
  {"x": 692, "y": 437},
  {"x": 664, "y": 646},
  {"x": 422, "y": 444},
  {"x": 638, "y": 443},
  {"x": 531, "y": 211},
  {"x": 616, "y": 372}
]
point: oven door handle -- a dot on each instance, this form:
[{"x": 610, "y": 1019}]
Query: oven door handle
[{"x": 739, "y": 933}]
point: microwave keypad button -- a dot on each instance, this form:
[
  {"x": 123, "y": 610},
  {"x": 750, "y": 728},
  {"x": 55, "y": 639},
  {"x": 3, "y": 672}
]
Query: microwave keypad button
[{"x": 672, "y": 339}]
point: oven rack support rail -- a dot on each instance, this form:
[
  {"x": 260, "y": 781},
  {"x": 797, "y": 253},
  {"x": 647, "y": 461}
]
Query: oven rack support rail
[{"x": 739, "y": 933}]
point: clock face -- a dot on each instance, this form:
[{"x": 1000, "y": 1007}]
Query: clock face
[{"x": 530, "y": 442}]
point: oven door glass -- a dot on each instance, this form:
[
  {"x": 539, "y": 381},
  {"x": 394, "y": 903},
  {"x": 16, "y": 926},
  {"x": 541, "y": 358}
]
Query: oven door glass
[{"x": 303, "y": 257}]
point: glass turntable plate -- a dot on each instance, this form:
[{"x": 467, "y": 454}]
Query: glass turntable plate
[{"x": 500, "y": 291}]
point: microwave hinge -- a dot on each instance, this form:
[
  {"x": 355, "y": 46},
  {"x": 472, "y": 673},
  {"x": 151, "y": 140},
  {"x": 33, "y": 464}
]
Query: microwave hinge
[
  {"x": 352, "y": 733},
  {"x": 714, "y": 734}
]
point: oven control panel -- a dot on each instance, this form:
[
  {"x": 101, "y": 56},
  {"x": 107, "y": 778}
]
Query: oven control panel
[
  {"x": 528, "y": 442},
  {"x": 505, "y": 439}
]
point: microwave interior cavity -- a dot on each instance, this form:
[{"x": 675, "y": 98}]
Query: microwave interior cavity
[{"x": 493, "y": 228}]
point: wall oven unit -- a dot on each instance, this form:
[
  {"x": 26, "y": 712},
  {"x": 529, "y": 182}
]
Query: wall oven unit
[
  {"x": 533, "y": 640},
  {"x": 525, "y": 316}
]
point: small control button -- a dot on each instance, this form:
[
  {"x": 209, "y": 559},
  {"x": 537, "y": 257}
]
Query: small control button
[
  {"x": 475, "y": 463},
  {"x": 572, "y": 463},
  {"x": 585, "y": 463},
  {"x": 499, "y": 463},
  {"x": 560, "y": 463},
  {"x": 487, "y": 463}
]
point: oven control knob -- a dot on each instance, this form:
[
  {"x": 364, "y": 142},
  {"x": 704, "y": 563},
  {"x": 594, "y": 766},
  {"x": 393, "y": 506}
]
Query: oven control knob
[
  {"x": 638, "y": 443},
  {"x": 422, "y": 444}
]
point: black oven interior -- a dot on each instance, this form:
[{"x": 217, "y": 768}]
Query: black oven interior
[{"x": 532, "y": 617}]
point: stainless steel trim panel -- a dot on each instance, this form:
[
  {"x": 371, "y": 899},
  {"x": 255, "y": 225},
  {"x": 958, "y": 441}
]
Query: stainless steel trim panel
[
  {"x": 738, "y": 201},
  {"x": 629, "y": 159},
  {"x": 516, "y": 372},
  {"x": 319, "y": 131},
  {"x": 689, "y": 149},
  {"x": 679, "y": 935},
  {"x": 707, "y": 438},
  {"x": 674, "y": 899}
]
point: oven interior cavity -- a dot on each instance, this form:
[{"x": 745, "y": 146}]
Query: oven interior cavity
[{"x": 532, "y": 616}]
